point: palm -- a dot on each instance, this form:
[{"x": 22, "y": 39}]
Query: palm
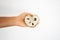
[{"x": 21, "y": 19}]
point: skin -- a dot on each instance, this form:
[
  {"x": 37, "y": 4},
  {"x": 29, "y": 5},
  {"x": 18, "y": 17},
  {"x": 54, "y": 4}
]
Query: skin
[{"x": 13, "y": 21}]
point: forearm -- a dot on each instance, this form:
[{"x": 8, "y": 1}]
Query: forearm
[{"x": 8, "y": 21}]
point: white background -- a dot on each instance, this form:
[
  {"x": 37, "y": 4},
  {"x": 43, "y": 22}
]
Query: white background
[{"x": 47, "y": 29}]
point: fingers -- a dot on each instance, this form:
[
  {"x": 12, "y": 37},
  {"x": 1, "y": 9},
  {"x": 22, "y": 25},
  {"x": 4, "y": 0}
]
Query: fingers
[{"x": 24, "y": 14}]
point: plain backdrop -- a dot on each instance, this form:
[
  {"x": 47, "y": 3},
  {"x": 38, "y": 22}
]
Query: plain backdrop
[{"x": 48, "y": 12}]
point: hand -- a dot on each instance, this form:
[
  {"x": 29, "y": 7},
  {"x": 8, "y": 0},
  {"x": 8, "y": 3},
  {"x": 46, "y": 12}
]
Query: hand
[{"x": 21, "y": 19}]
